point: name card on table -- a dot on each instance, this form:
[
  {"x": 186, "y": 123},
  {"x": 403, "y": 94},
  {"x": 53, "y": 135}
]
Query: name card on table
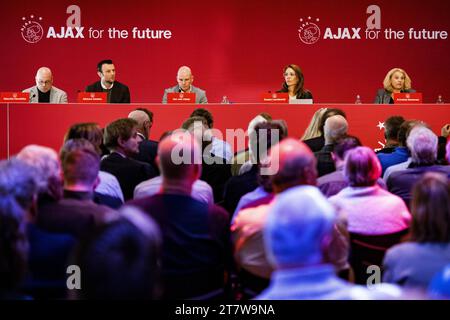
[
  {"x": 92, "y": 97},
  {"x": 275, "y": 97},
  {"x": 407, "y": 98},
  {"x": 181, "y": 97},
  {"x": 15, "y": 97}
]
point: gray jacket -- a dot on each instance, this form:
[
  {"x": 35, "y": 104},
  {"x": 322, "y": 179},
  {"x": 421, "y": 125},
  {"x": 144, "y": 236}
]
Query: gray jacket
[
  {"x": 384, "y": 96},
  {"x": 56, "y": 95},
  {"x": 200, "y": 95}
]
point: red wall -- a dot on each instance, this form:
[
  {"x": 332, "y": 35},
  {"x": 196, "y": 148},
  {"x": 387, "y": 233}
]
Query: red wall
[
  {"x": 46, "y": 124},
  {"x": 235, "y": 48}
]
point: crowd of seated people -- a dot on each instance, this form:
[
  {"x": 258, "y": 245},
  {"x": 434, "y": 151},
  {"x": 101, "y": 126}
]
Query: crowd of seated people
[{"x": 116, "y": 216}]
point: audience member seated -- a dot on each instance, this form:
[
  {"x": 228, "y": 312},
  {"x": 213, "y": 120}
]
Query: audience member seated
[
  {"x": 13, "y": 246},
  {"x": 185, "y": 79},
  {"x": 44, "y": 91},
  {"x": 215, "y": 171},
  {"x": 293, "y": 83},
  {"x": 48, "y": 251},
  {"x": 120, "y": 260},
  {"x": 391, "y": 127},
  {"x": 422, "y": 143},
  {"x": 312, "y": 131},
  {"x": 368, "y": 208},
  {"x": 298, "y": 230},
  {"x": 201, "y": 190},
  {"x": 219, "y": 147},
  {"x": 332, "y": 183},
  {"x": 396, "y": 81},
  {"x": 317, "y": 143},
  {"x": 147, "y": 148},
  {"x": 244, "y": 155},
  {"x": 108, "y": 185},
  {"x": 439, "y": 288},
  {"x": 264, "y": 136},
  {"x": 116, "y": 91},
  {"x": 295, "y": 165},
  {"x": 121, "y": 139},
  {"x": 335, "y": 129},
  {"x": 196, "y": 248},
  {"x": 413, "y": 264}
]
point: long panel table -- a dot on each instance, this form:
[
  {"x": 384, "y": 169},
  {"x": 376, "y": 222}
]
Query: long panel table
[{"x": 46, "y": 124}]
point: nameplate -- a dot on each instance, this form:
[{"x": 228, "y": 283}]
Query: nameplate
[
  {"x": 15, "y": 97},
  {"x": 407, "y": 98},
  {"x": 275, "y": 97},
  {"x": 181, "y": 97},
  {"x": 92, "y": 97}
]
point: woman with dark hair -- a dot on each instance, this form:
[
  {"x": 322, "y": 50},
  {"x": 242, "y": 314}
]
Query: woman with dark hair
[
  {"x": 413, "y": 264},
  {"x": 293, "y": 83},
  {"x": 13, "y": 248}
]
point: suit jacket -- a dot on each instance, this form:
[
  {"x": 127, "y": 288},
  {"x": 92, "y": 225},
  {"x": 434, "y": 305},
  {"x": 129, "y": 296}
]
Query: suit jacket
[
  {"x": 119, "y": 92},
  {"x": 128, "y": 172},
  {"x": 384, "y": 96},
  {"x": 147, "y": 153},
  {"x": 200, "y": 95},
  {"x": 56, "y": 95}
]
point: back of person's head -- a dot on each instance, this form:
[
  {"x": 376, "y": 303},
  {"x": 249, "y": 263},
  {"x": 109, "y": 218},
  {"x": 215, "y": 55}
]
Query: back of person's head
[
  {"x": 344, "y": 145},
  {"x": 90, "y": 131},
  {"x": 80, "y": 163},
  {"x": 423, "y": 144},
  {"x": 265, "y": 135},
  {"x": 298, "y": 227},
  {"x": 147, "y": 112},
  {"x": 121, "y": 128},
  {"x": 392, "y": 126},
  {"x": 46, "y": 164},
  {"x": 201, "y": 112},
  {"x": 362, "y": 167},
  {"x": 179, "y": 156},
  {"x": 121, "y": 259},
  {"x": 329, "y": 113},
  {"x": 17, "y": 179},
  {"x": 296, "y": 164},
  {"x": 143, "y": 121},
  {"x": 405, "y": 129},
  {"x": 13, "y": 244},
  {"x": 430, "y": 208},
  {"x": 260, "y": 118},
  {"x": 335, "y": 128},
  {"x": 189, "y": 122},
  {"x": 313, "y": 131}
]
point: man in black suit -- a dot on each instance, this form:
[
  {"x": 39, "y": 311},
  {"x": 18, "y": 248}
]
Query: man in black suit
[
  {"x": 117, "y": 92},
  {"x": 122, "y": 140},
  {"x": 147, "y": 148}
]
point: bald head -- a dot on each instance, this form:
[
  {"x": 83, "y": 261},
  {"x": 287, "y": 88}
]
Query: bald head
[
  {"x": 334, "y": 129},
  {"x": 185, "y": 78},
  {"x": 296, "y": 165},
  {"x": 143, "y": 121},
  {"x": 180, "y": 157},
  {"x": 44, "y": 79}
]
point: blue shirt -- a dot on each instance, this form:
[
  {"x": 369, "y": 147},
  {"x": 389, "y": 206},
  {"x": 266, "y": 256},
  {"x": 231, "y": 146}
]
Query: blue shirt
[{"x": 399, "y": 155}]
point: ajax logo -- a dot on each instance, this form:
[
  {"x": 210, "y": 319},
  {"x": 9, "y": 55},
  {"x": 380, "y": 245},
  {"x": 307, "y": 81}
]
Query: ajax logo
[
  {"x": 309, "y": 32},
  {"x": 31, "y": 30}
]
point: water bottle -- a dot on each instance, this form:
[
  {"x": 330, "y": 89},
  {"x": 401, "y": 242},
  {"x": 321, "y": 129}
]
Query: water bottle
[
  {"x": 225, "y": 100},
  {"x": 439, "y": 100},
  {"x": 358, "y": 99}
]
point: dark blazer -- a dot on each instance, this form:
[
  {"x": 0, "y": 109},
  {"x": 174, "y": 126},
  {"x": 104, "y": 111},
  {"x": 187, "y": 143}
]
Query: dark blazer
[
  {"x": 147, "y": 153},
  {"x": 128, "y": 172},
  {"x": 315, "y": 144},
  {"x": 119, "y": 92},
  {"x": 384, "y": 96}
]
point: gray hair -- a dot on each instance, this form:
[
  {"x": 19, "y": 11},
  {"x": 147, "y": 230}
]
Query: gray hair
[
  {"x": 17, "y": 180},
  {"x": 335, "y": 128},
  {"x": 422, "y": 143},
  {"x": 45, "y": 162}
]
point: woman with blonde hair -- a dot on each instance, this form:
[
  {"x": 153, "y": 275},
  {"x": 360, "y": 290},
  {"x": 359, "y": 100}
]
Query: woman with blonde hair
[
  {"x": 312, "y": 131},
  {"x": 396, "y": 81}
]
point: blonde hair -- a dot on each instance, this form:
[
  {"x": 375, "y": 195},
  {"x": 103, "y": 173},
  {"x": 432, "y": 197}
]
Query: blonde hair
[
  {"x": 387, "y": 80},
  {"x": 313, "y": 130}
]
